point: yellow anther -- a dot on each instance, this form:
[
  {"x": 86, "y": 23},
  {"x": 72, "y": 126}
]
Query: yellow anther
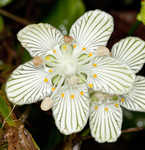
[
  {"x": 90, "y": 54},
  {"x": 96, "y": 107},
  {"x": 45, "y": 80},
  {"x": 94, "y": 75},
  {"x": 122, "y": 100},
  {"x": 94, "y": 65},
  {"x": 83, "y": 48},
  {"x": 62, "y": 95},
  {"x": 106, "y": 109},
  {"x": 50, "y": 70},
  {"x": 74, "y": 46},
  {"x": 53, "y": 89},
  {"x": 72, "y": 96},
  {"x": 54, "y": 51},
  {"x": 64, "y": 47},
  {"x": 116, "y": 105},
  {"x": 82, "y": 93},
  {"x": 47, "y": 58},
  {"x": 90, "y": 85}
]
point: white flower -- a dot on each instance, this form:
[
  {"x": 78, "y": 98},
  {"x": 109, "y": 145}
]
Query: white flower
[
  {"x": 66, "y": 68},
  {"x": 106, "y": 113}
]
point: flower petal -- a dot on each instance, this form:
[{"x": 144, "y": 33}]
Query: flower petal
[
  {"x": 38, "y": 39},
  {"x": 106, "y": 74},
  {"x": 28, "y": 84},
  {"x": 130, "y": 51},
  {"x": 71, "y": 109},
  {"x": 105, "y": 122},
  {"x": 93, "y": 29},
  {"x": 135, "y": 99}
]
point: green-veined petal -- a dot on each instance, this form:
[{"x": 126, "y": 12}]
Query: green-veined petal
[
  {"x": 93, "y": 29},
  {"x": 106, "y": 74},
  {"x": 38, "y": 39},
  {"x": 28, "y": 84},
  {"x": 130, "y": 51},
  {"x": 105, "y": 122},
  {"x": 71, "y": 109},
  {"x": 135, "y": 99}
]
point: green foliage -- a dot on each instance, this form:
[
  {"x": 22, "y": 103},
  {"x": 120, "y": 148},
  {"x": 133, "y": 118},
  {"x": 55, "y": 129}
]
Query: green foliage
[
  {"x": 64, "y": 13},
  {"x": 5, "y": 111},
  {"x": 141, "y": 15},
  {"x": 1, "y": 24},
  {"x": 4, "y": 2}
]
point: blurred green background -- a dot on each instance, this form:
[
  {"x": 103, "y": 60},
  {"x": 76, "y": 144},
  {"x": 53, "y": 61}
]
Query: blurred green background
[{"x": 14, "y": 15}]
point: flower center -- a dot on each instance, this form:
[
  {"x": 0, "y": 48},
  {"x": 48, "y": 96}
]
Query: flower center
[
  {"x": 67, "y": 65},
  {"x": 62, "y": 62}
]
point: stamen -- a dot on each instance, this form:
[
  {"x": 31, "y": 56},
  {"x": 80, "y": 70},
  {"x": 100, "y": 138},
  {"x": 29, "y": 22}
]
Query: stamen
[
  {"x": 62, "y": 95},
  {"x": 106, "y": 109},
  {"x": 45, "y": 80},
  {"x": 90, "y": 85},
  {"x": 50, "y": 70},
  {"x": 87, "y": 60},
  {"x": 94, "y": 65},
  {"x": 53, "y": 89},
  {"x": 122, "y": 100},
  {"x": 58, "y": 87},
  {"x": 90, "y": 54},
  {"x": 54, "y": 51},
  {"x": 72, "y": 96},
  {"x": 64, "y": 47},
  {"x": 83, "y": 48},
  {"x": 68, "y": 39},
  {"x": 116, "y": 105},
  {"x": 82, "y": 93},
  {"x": 46, "y": 104},
  {"x": 94, "y": 75},
  {"x": 47, "y": 58},
  {"x": 102, "y": 51},
  {"x": 37, "y": 61},
  {"x": 96, "y": 107},
  {"x": 74, "y": 46}
]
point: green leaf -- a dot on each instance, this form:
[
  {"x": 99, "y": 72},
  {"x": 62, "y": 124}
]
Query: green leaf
[
  {"x": 4, "y": 2},
  {"x": 64, "y": 13},
  {"x": 141, "y": 15},
  {"x": 5, "y": 111},
  {"x": 1, "y": 24}
]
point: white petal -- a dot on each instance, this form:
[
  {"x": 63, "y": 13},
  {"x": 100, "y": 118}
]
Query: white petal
[
  {"x": 93, "y": 29},
  {"x": 135, "y": 99},
  {"x": 130, "y": 51},
  {"x": 71, "y": 113},
  {"x": 38, "y": 39},
  {"x": 26, "y": 84},
  {"x": 110, "y": 76},
  {"x": 105, "y": 122}
]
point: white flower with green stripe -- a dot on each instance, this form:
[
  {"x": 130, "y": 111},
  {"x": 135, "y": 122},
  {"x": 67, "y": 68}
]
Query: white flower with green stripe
[
  {"x": 65, "y": 67},
  {"x": 106, "y": 114}
]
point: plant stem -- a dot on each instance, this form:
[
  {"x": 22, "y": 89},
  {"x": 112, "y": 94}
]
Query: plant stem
[
  {"x": 13, "y": 17},
  {"x": 134, "y": 28},
  {"x": 132, "y": 130}
]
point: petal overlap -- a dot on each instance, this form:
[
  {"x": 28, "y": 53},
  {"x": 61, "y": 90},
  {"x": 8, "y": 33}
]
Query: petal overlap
[
  {"x": 135, "y": 99},
  {"x": 108, "y": 75}
]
